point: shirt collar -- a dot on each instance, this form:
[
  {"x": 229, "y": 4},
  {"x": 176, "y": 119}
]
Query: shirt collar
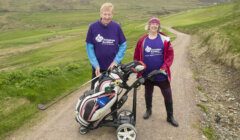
[{"x": 99, "y": 21}]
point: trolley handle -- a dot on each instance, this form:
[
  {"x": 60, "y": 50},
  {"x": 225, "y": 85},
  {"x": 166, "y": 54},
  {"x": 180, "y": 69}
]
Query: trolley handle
[{"x": 155, "y": 72}]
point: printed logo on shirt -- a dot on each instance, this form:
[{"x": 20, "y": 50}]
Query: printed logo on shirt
[
  {"x": 152, "y": 52},
  {"x": 99, "y": 38},
  {"x": 104, "y": 41},
  {"x": 148, "y": 49}
]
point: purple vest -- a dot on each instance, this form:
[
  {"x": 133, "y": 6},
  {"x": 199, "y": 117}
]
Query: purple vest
[
  {"x": 153, "y": 56},
  {"x": 106, "y": 41}
]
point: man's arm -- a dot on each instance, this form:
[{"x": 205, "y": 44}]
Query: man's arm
[
  {"x": 119, "y": 56},
  {"x": 121, "y": 52},
  {"x": 91, "y": 55}
]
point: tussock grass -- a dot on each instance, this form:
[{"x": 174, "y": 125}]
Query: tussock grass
[
  {"x": 209, "y": 133},
  {"x": 21, "y": 91},
  {"x": 203, "y": 108}
]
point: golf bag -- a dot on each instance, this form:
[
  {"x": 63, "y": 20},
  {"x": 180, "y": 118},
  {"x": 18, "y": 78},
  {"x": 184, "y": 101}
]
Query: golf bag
[{"x": 95, "y": 104}]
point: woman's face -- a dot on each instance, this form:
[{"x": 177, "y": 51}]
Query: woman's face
[
  {"x": 153, "y": 27},
  {"x": 106, "y": 16}
]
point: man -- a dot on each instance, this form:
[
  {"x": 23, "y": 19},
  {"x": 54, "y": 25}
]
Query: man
[{"x": 106, "y": 43}]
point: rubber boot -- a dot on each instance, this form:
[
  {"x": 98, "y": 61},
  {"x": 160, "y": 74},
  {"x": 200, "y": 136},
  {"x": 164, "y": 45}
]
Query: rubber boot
[
  {"x": 147, "y": 114},
  {"x": 170, "y": 118}
]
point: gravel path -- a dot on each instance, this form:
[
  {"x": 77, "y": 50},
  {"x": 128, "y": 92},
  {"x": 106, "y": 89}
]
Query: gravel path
[{"x": 58, "y": 123}]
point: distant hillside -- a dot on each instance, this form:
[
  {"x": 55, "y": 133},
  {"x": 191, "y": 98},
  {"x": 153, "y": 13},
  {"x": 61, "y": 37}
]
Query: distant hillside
[{"x": 151, "y": 5}]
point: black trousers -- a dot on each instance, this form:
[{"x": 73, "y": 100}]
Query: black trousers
[{"x": 165, "y": 89}]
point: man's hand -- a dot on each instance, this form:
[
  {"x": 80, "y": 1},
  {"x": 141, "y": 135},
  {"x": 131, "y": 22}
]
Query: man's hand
[
  {"x": 97, "y": 71},
  {"x": 113, "y": 64}
]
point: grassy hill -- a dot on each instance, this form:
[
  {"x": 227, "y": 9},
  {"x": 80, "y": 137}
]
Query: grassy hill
[
  {"x": 42, "y": 47},
  {"x": 217, "y": 26}
]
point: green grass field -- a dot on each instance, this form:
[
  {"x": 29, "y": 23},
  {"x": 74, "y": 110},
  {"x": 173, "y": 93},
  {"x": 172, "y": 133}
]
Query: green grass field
[
  {"x": 44, "y": 58},
  {"x": 42, "y": 47}
]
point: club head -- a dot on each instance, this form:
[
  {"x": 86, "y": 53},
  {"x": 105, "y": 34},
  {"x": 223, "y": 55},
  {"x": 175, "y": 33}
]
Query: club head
[{"x": 41, "y": 106}]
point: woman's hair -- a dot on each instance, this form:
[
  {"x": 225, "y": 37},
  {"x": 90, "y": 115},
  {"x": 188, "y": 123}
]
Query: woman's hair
[
  {"x": 153, "y": 20},
  {"x": 107, "y": 6},
  {"x": 147, "y": 27}
]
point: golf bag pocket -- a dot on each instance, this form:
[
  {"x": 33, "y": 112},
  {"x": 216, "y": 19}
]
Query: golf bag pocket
[
  {"x": 102, "y": 101},
  {"x": 94, "y": 107}
]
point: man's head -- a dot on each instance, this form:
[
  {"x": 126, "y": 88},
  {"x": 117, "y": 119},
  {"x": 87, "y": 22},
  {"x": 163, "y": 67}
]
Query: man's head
[{"x": 106, "y": 13}]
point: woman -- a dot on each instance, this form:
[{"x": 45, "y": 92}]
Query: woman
[{"x": 155, "y": 50}]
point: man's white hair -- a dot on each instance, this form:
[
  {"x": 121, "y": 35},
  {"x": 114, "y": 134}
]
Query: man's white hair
[{"x": 107, "y": 6}]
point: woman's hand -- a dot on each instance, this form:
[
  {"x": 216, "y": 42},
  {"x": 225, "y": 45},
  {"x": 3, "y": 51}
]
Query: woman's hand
[{"x": 163, "y": 71}]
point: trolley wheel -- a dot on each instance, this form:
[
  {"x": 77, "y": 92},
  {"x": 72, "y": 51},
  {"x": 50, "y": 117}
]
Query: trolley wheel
[
  {"x": 124, "y": 113},
  {"x": 126, "y": 131},
  {"x": 83, "y": 130}
]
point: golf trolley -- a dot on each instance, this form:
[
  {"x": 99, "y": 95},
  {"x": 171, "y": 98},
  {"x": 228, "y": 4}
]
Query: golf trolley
[{"x": 101, "y": 106}]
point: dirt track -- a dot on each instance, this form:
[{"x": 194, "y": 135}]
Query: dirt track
[{"x": 58, "y": 121}]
